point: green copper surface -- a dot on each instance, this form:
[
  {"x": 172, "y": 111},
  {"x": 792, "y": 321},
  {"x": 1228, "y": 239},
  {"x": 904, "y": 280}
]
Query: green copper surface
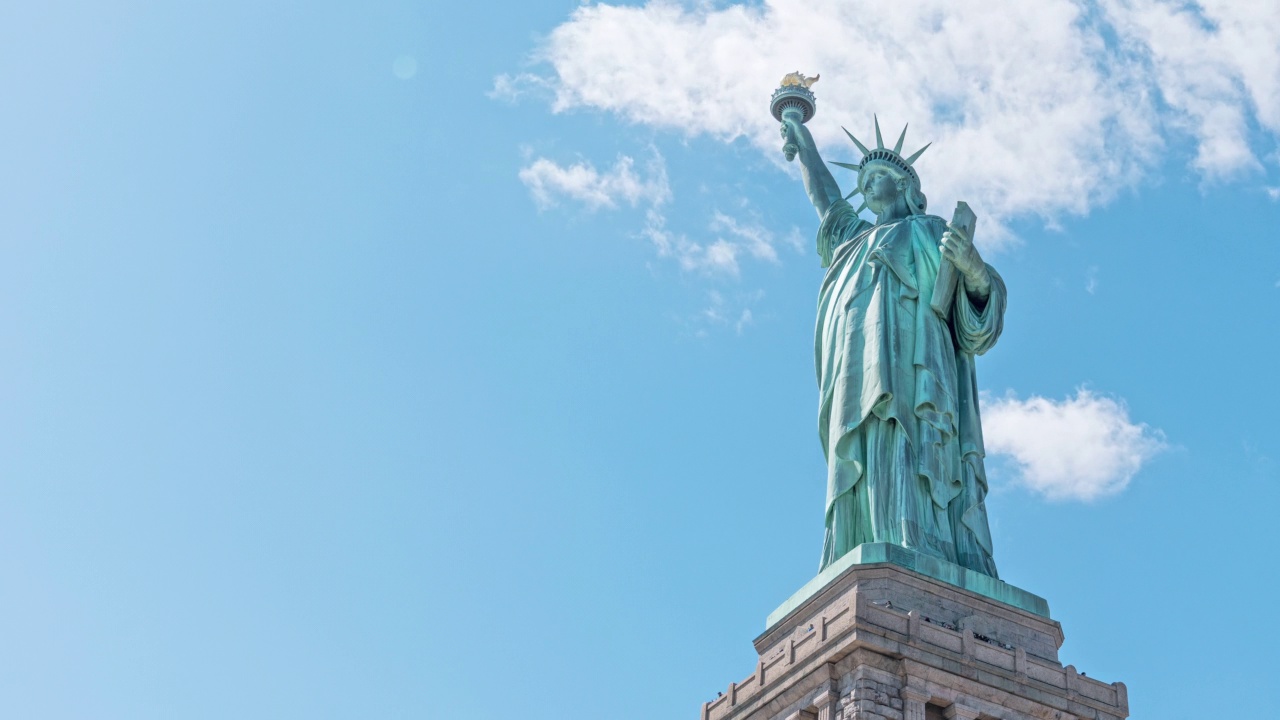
[{"x": 898, "y": 417}]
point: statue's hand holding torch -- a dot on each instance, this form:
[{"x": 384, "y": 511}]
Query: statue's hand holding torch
[
  {"x": 791, "y": 120},
  {"x": 792, "y": 105}
]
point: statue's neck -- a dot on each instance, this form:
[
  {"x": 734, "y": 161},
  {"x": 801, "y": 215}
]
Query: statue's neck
[{"x": 897, "y": 211}]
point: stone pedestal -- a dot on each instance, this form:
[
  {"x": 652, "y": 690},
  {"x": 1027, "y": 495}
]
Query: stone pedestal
[{"x": 886, "y": 641}]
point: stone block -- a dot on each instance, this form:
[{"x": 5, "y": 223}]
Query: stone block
[{"x": 880, "y": 641}]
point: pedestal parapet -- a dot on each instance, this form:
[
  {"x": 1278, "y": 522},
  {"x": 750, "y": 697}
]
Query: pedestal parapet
[{"x": 878, "y": 641}]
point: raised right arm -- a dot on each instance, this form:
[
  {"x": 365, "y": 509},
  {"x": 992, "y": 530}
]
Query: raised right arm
[{"x": 818, "y": 181}]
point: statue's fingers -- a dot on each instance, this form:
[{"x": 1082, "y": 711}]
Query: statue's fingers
[{"x": 959, "y": 232}]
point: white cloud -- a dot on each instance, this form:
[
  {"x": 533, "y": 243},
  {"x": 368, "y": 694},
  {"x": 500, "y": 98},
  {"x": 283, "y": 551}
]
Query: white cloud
[
  {"x": 1080, "y": 448},
  {"x": 547, "y": 181},
  {"x": 1216, "y": 63},
  {"x": 1091, "y": 280},
  {"x": 714, "y": 312},
  {"x": 1034, "y": 106},
  {"x": 513, "y": 87},
  {"x": 719, "y": 256},
  {"x": 726, "y": 312},
  {"x": 755, "y": 238},
  {"x": 716, "y": 258},
  {"x": 1028, "y": 110},
  {"x": 794, "y": 240},
  {"x": 1273, "y": 193}
]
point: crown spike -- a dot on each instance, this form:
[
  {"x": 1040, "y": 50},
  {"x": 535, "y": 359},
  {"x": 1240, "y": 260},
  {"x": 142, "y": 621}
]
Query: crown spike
[
  {"x": 861, "y": 147},
  {"x": 861, "y": 208},
  {"x": 917, "y": 154},
  {"x": 898, "y": 147},
  {"x": 847, "y": 166},
  {"x": 855, "y": 192},
  {"x": 879, "y": 140}
]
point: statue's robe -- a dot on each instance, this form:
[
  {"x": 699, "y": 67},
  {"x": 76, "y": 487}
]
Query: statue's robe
[{"x": 898, "y": 417}]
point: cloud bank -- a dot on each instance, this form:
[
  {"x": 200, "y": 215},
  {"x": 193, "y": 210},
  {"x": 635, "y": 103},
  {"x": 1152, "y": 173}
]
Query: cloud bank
[
  {"x": 548, "y": 181},
  {"x": 1036, "y": 107},
  {"x": 1081, "y": 448},
  {"x": 1217, "y": 65}
]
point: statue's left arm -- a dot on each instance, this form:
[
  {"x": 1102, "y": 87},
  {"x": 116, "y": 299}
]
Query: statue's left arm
[
  {"x": 978, "y": 322},
  {"x": 978, "y": 310}
]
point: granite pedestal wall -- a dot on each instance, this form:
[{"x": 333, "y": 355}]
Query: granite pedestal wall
[{"x": 879, "y": 641}]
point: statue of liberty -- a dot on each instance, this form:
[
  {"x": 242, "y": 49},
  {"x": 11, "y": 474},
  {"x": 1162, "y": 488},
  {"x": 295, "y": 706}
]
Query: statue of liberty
[{"x": 898, "y": 413}]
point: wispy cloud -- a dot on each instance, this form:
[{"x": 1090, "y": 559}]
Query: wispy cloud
[
  {"x": 730, "y": 238},
  {"x": 734, "y": 238},
  {"x": 549, "y": 181},
  {"x": 727, "y": 312},
  {"x": 511, "y": 88},
  {"x": 1080, "y": 448},
  {"x": 718, "y": 257},
  {"x": 752, "y": 237},
  {"x": 1091, "y": 280}
]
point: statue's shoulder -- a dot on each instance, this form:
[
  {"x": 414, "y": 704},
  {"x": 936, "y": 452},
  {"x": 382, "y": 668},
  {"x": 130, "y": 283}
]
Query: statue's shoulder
[
  {"x": 932, "y": 223},
  {"x": 932, "y": 219}
]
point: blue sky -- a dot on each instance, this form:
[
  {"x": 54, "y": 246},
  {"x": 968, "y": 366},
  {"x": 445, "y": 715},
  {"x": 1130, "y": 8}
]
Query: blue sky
[{"x": 437, "y": 360}]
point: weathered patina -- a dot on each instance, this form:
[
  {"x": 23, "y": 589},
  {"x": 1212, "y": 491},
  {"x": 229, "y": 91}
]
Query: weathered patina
[{"x": 898, "y": 415}]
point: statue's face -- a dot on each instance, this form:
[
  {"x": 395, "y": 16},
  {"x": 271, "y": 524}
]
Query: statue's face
[{"x": 880, "y": 188}]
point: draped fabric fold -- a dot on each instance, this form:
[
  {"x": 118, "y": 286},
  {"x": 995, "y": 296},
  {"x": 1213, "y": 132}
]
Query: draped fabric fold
[{"x": 898, "y": 413}]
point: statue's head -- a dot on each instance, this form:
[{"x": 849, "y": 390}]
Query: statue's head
[
  {"x": 884, "y": 176},
  {"x": 882, "y": 184}
]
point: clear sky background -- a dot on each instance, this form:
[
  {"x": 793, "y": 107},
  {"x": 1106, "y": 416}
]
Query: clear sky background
[{"x": 444, "y": 360}]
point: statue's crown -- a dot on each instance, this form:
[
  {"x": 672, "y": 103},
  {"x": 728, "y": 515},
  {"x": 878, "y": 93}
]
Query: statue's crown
[
  {"x": 889, "y": 157},
  {"x": 884, "y": 157}
]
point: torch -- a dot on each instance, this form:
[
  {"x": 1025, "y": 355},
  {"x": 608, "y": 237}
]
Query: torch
[{"x": 794, "y": 101}]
